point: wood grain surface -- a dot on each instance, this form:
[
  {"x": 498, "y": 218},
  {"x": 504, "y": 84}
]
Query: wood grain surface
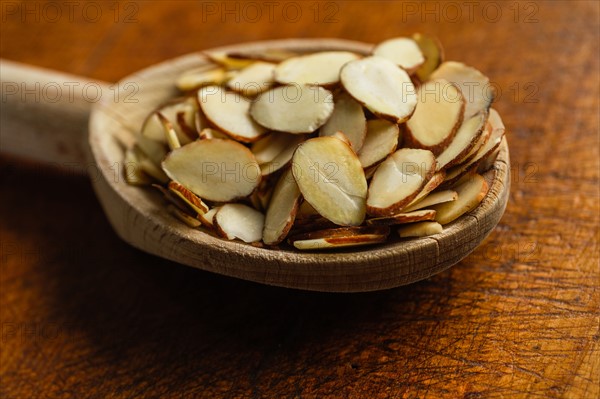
[{"x": 83, "y": 315}]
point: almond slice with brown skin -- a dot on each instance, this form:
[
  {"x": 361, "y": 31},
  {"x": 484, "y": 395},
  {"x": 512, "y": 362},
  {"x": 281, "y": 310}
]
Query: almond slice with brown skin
[
  {"x": 432, "y": 51},
  {"x": 438, "y": 116},
  {"x": 200, "y": 77},
  {"x": 152, "y": 149},
  {"x": 133, "y": 172},
  {"x": 229, "y": 112},
  {"x": 475, "y": 86},
  {"x": 470, "y": 193},
  {"x": 420, "y": 229},
  {"x": 149, "y": 167},
  {"x": 184, "y": 217},
  {"x": 398, "y": 180},
  {"x": 282, "y": 209},
  {"x": 239, "y": 221},
  {"x": 214, "y": 169},
  {"x": 340, "y": 237},
  {"x": 381, "y": 86},
  {"x": 481, "y": 141},
  {"x": 402, "y": 218},
  {"x": 381, "y": 141},
  {"x": 293, "y": 108},
  {"x": 322, "y": 69},
  {"x": 434, "y": 198},
  {"x": 331, "y": 179},
  {"x": 402, "y": 51},
  {"x": 253, "y": 79},
  {"x": 307, "y": 211},
  {"x": 229, "y": 63},
  {"x": 189, "y": 197},
  {"x": 466, "y": 137},
  {"x": 269, "y": 146},
  {"x": 436, "y": 180},
  {"x": 208, "y": 218},
  {"x": 348, "y": 117},
  {"x": 170, "y": 133}
]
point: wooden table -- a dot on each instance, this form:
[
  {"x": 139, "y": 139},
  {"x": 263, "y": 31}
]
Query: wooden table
[{"x": 85, "y": 315}]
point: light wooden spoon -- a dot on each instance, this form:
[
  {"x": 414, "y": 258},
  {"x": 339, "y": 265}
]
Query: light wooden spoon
[{"x": 52, "y": 131}]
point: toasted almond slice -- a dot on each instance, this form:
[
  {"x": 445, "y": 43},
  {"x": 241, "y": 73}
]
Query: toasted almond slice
[
  {"x": 402, "y": 51},
  {"x": 420, "y": 229},
  {"x": 266, "y": 55},
  {"x": 341, "y": 237},
  {"x": 208, "y": 218},
  {"x": 466, "y": 137},
  {"x": 285, "y": 156},
  {"x": 282, "y": 209},
  {"x": 381, "y": 86},
  {"x": 293, "y": 109},
  {"x": 170, "y": 133},
  {"x": 321, "y": 68},
  {"x": 470, "y": 193},
  {"x": 189, "y": 197},
  {"x": 271, "y": 145},
  {"x": 133, "y": 172},
  {"x": 438, "y": 116},
  {"x": 184, "y": 217},
  {"x": 433, "y": 199},
  {"x": 475, "y": 86},
  {"x": 216, "y": 169},
  {"x": 331, "y": 178},
  {"x": 253, "y": 79},
  {"x": 403, "y": 218},
  {"x": 229, "y": 63},
  {"x": 174, "y": 199},
  {"x": 348, "y": 117},
  {"x": 398, "y": 180},
  {"x": 434, "y": 54},
  {"x": 381, "y": 141},
  {"x": 200, "y": 77},
  {"x": 239, "y": 221},
  {"x": 187, "y": 107},
  {"x": 229, "y": 112}
]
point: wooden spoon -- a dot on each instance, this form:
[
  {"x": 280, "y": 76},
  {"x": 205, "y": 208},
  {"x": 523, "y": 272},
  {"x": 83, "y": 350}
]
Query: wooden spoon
[{"x": 52, "y": 132}]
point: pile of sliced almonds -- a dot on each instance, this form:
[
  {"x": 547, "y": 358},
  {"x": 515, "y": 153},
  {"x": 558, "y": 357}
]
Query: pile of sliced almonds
[{"x": 322, "y": 150}]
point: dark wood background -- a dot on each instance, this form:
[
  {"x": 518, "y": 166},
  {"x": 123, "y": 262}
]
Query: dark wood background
[{"x": 85, "y": 316}]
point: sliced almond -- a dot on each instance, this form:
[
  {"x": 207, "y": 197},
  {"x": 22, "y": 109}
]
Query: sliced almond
[
  {"x": 402, "y": 51},
  {"x": 470, "y": 193},
  {"x": 403, "y": 218},
  {"x": 381, "y": 141},
  {"x": 269, "y": 146},
  {"x": 230, "y": 63},
  {"x": 152, "y": 149},
  {"x": 438, "y": 116},
  {"x": 348, "y": 117},
  {"x": 133, "y": 172},
  {"x": 216, "y": 169},
  {"x": 381, "y": 86},
  {"x": 209, "y": 133},
  {"x": 331, "y": 179},
  {"x": 420, "y": 229},
  {"x": 293, "y": 109},
  {"x": 435, "y": 198},
  {"x": 266, "y": 55},
  {"x": 285, "y": 156},
  {"x": 200, "y": 77},
  {"x": 466, "y": 137},
  {"x": 239, "y": 221},
  {"x": 229, "y": 112},
  {"x": 340, "y": 237},
  {"x": 208, "y": 218},
  {"x": 398, "y": 180},
  {"x": 170, "y": 133},
  {"x": 189, "y": 197},
  {"x": 282, "y": 209},
  {"x": 481, "y": 141},
  {"x": 184, "y": 217},
  {"x": 321, "y": 69},
  {"x": 436, "y": 180},
  {"x": 153, "y": 129},
  {"x": 307, "y": 211},
  {"x": 475, "y": 86},
  {"x": 253, "y": 79},
  {"x": 149, "y": 167},
  {"x": 432, "y": 51}
]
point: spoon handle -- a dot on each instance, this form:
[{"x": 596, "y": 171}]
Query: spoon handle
[{"x": 45, "y": 114}]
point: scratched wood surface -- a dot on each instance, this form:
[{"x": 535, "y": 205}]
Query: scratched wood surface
[{"x": 84, "y": 315}]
